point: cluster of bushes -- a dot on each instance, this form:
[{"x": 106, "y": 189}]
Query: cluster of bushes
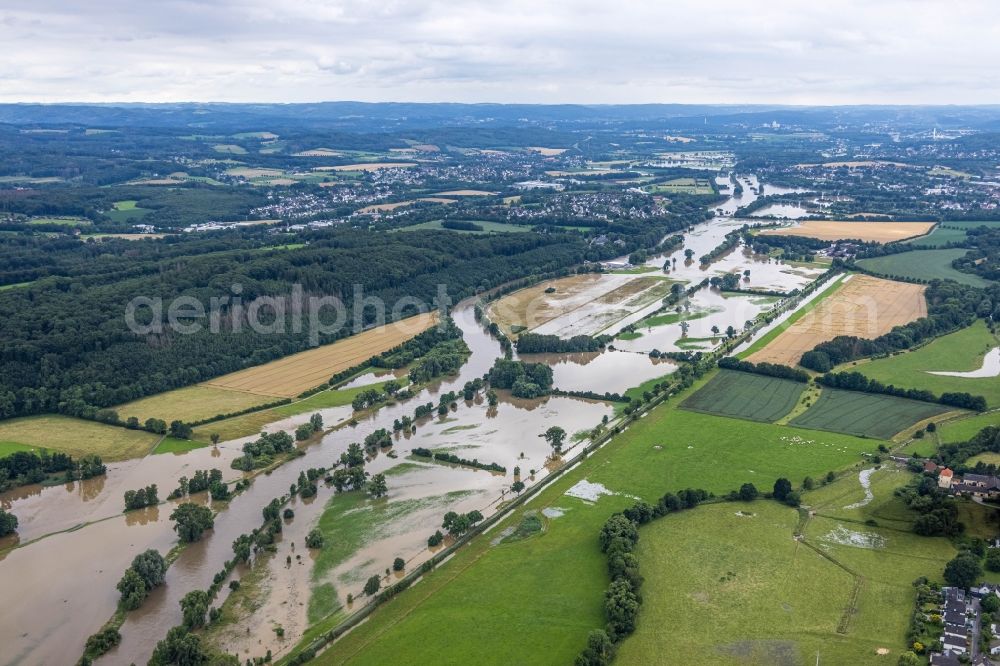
[
  {"x": 455, "y": 460},
  {"x": 444, "y": 359},
  {"x": 793, "y": 248},
  {"x": 525, "y": 380},
  {"x": 949, "y": 306},
  {"x": 593, "y": 395},
  {"x": 148, "y": 571},
  {"x": 24, "y": 467},
  {"x": 855, "y": 381},
  {"x": 471, "y": 388},
  {"x": 459, "y": 523},
  {"x": 309, "y": 428},
  {"x": 731, "y": 240},
  {"x": 419, "y": 345},
  {"x": 768, "y": 369},
  {"x": 141, "y": 498},
  {"x": 191, "y": 521},
  {"x": 461, "y": 225},
  {"x": 955, "y": 454},
  {"x": 261, "y": 452},
  {"x": 367, "y": 398},
  {"x": 938, "y": 511},
  {"x": 202, "y": 480},
  {"x": 8, "y": 523},
  {"x": 533, "y": 343}
]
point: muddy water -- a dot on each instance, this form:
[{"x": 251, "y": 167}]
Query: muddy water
[
  {"x": 374, "y": 377},
  {"x": 609, "y": 371},
  {"x": 473, "y": 430},
  {"x": 44, "y": 510}
]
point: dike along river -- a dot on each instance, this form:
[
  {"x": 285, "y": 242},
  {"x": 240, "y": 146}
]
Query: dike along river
[{"x": 77, "y": 543}]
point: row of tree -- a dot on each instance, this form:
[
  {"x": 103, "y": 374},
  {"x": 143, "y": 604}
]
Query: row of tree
[{"x": 855, "y": 381}]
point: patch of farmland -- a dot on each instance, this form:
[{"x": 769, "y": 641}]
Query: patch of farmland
[
  {"x": 288, "y": 377},
  {"x": 923, "y": 265},
  {"x": 865, "y": 414},
  {"x": 879, "y": 232},
  {"x": 970, "y": 355},
  {"x": 746, "y": 396},
  {"x": 191, "y": 403},
  {"x": 864, "y": 306},
  {"x": 76, "y": 437}
]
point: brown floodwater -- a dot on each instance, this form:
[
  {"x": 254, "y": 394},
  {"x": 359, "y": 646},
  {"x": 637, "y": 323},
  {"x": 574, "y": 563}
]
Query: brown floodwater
[{"x": 608, "y": 371}]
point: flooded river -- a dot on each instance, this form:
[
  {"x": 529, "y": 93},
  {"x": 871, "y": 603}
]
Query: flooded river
[{"x": 77, "y": 543}]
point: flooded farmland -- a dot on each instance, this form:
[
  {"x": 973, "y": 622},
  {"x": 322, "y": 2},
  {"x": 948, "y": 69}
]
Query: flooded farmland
[{"x": 76, "y": 543}]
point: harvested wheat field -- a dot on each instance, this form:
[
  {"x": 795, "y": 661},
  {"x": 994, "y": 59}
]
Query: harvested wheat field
[
  {"x": 367, "y": 166},
  {"x": 879, "y": 232},
  {"x": 288, "y": 377},
  {"x": 191, "y": 403},
  {"x": 864, "y": 306}
]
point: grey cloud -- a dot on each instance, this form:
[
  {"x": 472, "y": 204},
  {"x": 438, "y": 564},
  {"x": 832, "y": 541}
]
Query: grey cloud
[{"x": 502, "y": 50}]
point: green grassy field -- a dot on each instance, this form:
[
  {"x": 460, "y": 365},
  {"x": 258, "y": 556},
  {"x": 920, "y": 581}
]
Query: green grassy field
[
  {"x": 962, "y": 430},
  {"x": 174, "y": 445},
  {"x": 127, "y": 210},
  {"x": 866, "y": 414},
  {"x": 989, "y": 458},
  {"x": 971, "y": 224},
  {"x": 64, "y": 221},
  {"x": 77, "y": 437},
  {"x": 682, "y": 185},
  {"x": 191, "y": 403},
  {"x": 738, "y": 589},
  {"x": 940, "y": 236},
  {"x": 488, "y": 227},
  {"x": 7, "y": 448},
  {"x": 961, "y": 351},
  {"x": 923, "y": 265},
  {"x": 540, "y": 596},
  {"x": 747, "y": 396}
]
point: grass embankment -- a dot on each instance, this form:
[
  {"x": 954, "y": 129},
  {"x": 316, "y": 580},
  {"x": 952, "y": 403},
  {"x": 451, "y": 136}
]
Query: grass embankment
[
  {"x": 542, "y": 595},
  {"x": 961, "y": 351},
  {"x": 174, "y": 445},
  {"x": 76, "y": 437}
]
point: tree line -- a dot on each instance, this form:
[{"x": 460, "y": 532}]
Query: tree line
[{"x": 855, "y": 381}]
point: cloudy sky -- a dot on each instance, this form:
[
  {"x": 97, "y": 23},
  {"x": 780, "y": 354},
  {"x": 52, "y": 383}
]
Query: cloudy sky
[{"x": 597, "y": 51}]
